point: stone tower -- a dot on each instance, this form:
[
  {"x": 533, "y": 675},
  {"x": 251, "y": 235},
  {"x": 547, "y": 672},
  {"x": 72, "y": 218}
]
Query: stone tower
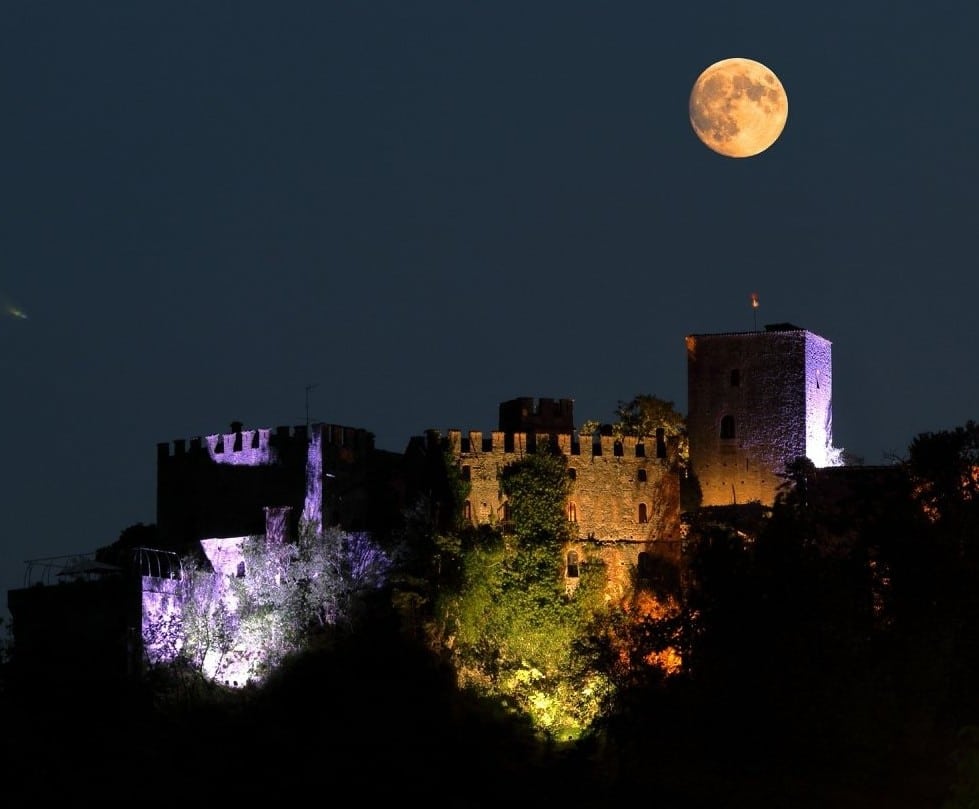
[{"x": 756, "y": 402}]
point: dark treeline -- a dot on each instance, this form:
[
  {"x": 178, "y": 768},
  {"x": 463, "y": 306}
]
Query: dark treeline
[{"x": 831, "y": 659}]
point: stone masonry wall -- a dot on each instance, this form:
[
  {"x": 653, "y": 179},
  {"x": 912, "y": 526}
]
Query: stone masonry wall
[
  {"x": 607, "y": 493},
  {"x": 766, "y": 381}
]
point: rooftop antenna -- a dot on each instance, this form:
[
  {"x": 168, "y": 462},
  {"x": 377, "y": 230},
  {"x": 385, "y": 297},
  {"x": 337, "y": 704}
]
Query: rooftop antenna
[
  {"x": 754, "y": 308},
  {"x": 308, "y": 389}
]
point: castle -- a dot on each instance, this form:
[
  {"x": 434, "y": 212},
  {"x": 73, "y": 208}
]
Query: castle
[{"x": 757, "y": 402}]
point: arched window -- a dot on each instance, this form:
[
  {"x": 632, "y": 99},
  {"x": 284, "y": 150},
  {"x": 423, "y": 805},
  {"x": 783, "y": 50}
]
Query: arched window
[
  {"x": 572, "y": 570},
  {"x": 572, "y": 473},
  {"x": 572, "y": 512},
  {"x": 641, "y": 475},
  {"x": 727, "y": 427},
  {"x": 643, "y": 516}
]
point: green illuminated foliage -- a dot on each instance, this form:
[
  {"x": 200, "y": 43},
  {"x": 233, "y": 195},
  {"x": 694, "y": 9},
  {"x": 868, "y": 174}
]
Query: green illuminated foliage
[
  {"x": 513, "y": 626},
  {"x": 537, "y": 488}
]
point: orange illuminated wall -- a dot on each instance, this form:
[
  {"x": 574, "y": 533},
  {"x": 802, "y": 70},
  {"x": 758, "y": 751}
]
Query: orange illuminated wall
[{"x": 620, "y": 490}]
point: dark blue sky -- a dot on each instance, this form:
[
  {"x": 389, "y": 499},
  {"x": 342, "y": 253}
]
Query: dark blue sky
[{"x": 427, "y": 208}]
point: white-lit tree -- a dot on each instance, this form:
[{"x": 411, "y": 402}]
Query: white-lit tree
[{"x": 237, "y": 629}]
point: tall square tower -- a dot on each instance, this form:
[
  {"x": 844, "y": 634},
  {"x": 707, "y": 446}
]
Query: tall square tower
[{"x": 756, "y": 401}]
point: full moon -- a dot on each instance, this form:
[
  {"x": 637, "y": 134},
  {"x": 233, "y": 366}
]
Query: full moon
[{"x": 738, "y": 107}]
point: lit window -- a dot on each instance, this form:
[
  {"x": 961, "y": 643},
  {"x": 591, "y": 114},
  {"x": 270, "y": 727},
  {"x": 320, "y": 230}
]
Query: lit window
[
  {"x": 572, "y": 512},
  {"x": 467, "y": 511}
]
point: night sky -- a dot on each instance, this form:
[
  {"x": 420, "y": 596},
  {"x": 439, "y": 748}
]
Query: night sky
[{"x": 426, "y": 208}]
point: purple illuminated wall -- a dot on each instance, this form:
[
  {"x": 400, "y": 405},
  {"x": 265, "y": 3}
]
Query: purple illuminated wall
[
  {"x": 756, "y": 402},
  {"x": 313, "y": 505},
  {"x": 241, "y": 448}
]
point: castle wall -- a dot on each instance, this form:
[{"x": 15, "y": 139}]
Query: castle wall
[
  {"x": 608, "y": 498},
  {"x": 756, "y": 401},
  {"x": 623, "y": 566},
  {"x": 221, "y": 485}
]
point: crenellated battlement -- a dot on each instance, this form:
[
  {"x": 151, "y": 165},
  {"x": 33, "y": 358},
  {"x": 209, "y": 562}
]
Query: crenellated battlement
[
  {"x": 476, "y": 442},
  {"x": 250, "y": 448},
  {"x": 619, "y": 487},
  {"x": 224, "y": 483},
  {"x": 257, "y": 447}
]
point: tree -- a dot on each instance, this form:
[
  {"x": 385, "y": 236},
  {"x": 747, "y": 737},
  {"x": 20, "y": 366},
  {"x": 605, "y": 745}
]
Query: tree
[
  {"x": 938, "y": 576},
  {"x": 292, "y": 591},
  {"x": 944, "y": 467},
  {"x": 644, "y": 416},
  {"x": 512, "y": 626},
  {"x": 134, "y": 536},
  {"x": 537, "y": 488},
  {"x": 204, "y": 632},
  {"x": 239, "y": 628}
]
